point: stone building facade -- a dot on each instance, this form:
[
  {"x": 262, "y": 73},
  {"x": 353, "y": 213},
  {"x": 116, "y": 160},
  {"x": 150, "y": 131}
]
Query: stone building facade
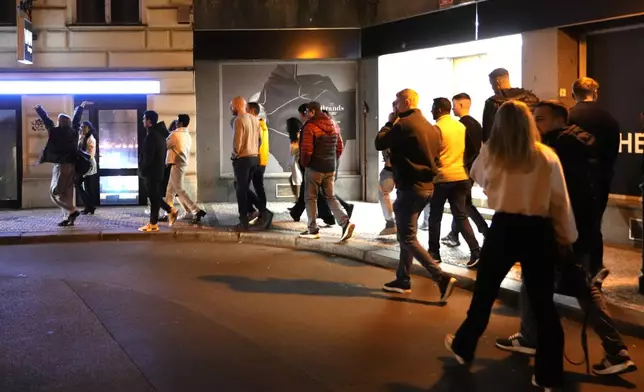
[{"x": 104, "y": 40}]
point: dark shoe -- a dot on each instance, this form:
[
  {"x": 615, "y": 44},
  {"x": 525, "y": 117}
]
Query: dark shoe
[
  {"x": 198, "y": 217},
  {"x": 312, "y": 235},
  {"x": 397, "y": 286},
  {"x": 446, "y": 287},
  {"x": 449, "y": 339},
  {"x": 64, "y": 223},
  {"x": 436, "y": 256},
  {"x": 516, "y": 344},
  {"x": 347, "y": 231},
  {"x": 451, "y": 240},
  {"x": 239, "y": 228},
  {"x": 474, "y": 259},
  {"x": 164, "y": 218},
  {"x": 350, "y": 210},
  {"x": 614, "y": 365},
  {"x": 72, "y": 218},
  {"x": 296, "y": 218},
  {"x": 88, "y": 211},
  {"x": 545, "y": 389},
  {"x": 267, "y": 219}
]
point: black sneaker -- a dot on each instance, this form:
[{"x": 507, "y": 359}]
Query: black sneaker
[
  {"x": 397, "y": 286},
  {"x": 198, "y": 217},
  {"x": 312, "y": 235},
  {"x": 446, "y": 287},
  {"x": 451, "y": 240},
  {"x": 613, "y": 365},
  {"x": 545, "y": 389},
  {"x": 436, "y": 256},
  {"x": 72, "y": 218},
  {"x": 267, "y": 219},
  {"x": 474, "y": 259},
  {"x": 516, "y": 344},
  {"x": 449, "y": 340},
  {"x": 347, "y": 231}
]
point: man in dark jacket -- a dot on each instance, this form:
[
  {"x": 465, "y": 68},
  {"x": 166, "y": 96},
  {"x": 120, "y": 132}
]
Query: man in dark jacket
[
  {"x": 602, "y": 125},
  {"x": 319, "y": 153},
  {"x": 576, "y": 150},
  {"x": 152, "y": 169},
  {"x": 414, "y": 146},
  {"x": 503, "y": 92},
  {"x": 296, "y": 211},
  {"x": 461, "y": 104},
  {"x": 61, "y": 150}
]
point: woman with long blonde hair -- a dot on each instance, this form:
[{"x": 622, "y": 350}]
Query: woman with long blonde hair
[{"x": 524, "y": 183}]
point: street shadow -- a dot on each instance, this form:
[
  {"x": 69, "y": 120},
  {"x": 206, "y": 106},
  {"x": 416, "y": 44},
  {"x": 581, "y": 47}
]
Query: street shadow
[
  {"x": 307, "y": 287},
  {"x": 510, "y": 374}
]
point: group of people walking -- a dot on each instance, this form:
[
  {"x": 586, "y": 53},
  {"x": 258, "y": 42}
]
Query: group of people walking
[
  {"x": 163, "y": 160},
  {"x": 546, "y": 172}
]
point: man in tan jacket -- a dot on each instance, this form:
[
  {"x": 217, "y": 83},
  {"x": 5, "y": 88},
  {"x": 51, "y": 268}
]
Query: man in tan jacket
[{"x": 178, "y": 158}]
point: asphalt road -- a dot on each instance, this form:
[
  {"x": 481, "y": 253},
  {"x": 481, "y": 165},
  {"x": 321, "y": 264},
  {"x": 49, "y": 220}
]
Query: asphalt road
[{"x": 233, "y": 317}]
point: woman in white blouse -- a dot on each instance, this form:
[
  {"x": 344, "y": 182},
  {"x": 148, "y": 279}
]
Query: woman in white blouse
[
  {"x": 524, "y": 183},
  {"x": 85, "y": 185}
]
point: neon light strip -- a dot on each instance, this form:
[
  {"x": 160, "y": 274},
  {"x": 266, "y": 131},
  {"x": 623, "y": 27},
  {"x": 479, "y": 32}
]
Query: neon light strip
[{"x": 79, "y": 87}]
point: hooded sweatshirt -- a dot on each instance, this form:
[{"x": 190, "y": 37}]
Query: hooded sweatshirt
[
  {"x": 179, "y": 145},
  {"x": 321, "y": 144},
  {"x": 493, "y": 104}
]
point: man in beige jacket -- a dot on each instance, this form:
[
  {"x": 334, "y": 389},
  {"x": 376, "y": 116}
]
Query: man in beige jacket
[{"x": 178, "y": 158}]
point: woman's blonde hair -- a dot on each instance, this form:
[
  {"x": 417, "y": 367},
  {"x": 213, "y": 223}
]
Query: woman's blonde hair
[{"x": 514, "y": 137}]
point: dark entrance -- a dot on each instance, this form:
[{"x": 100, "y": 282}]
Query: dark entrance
[
  {"x": 10, "y": 151},
  {"x": 117, "y": 120}
]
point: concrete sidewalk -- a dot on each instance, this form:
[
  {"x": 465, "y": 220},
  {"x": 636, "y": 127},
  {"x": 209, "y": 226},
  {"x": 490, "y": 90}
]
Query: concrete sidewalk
[{"x": 120, "y": 223}]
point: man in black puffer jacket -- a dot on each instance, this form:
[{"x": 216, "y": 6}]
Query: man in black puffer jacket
[
  {"x": 61, "y": 150},
  {"x": 152, "y": 169},
  {"x": 503, "y": 92}
]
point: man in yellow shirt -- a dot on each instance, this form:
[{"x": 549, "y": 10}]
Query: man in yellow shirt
[
  {"x": 452, "y": 183},
  {"x": 257, "y": 200}
]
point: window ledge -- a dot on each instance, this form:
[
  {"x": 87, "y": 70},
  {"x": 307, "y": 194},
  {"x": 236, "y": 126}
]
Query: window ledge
[{"x": 105, "y": 27}]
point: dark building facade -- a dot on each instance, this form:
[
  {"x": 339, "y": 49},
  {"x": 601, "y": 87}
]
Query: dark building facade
[{"x": 270, "y": 49}]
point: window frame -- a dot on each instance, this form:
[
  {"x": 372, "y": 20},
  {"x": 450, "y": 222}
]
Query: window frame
[{"x": 108, "y": 15}]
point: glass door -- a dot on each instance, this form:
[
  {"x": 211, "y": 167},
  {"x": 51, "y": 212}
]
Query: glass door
[
  {"x": 119, "y": 128},
  {"x": 10, "y": 152}
]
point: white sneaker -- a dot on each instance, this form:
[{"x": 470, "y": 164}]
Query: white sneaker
[{"x": 149, "y": 228}]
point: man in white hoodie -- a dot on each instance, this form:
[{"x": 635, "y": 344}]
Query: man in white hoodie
[{"x": 179, "y": 145}]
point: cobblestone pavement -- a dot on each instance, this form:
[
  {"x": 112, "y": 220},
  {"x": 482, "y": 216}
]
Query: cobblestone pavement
[{"x": 620, "y": 287}]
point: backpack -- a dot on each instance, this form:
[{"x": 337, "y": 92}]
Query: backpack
[{"x": 82, "y": 162}]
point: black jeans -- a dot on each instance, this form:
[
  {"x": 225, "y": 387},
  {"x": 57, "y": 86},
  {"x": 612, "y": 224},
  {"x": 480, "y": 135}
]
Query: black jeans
[
  {"x": 86, "y": 188},
  {"x": 407, "y": 207},
  {"x": 597, "y": 252},
  {"x": 592, "y": 302},
  {"x": 155, "y": 195},
  {"x": 257, "y": 199},
  {"x": 529, "y": 240},
  {"x": 456, "y": 193},
  {"x": 474, "y": 214},
  {"x": 243, "y": 169}
]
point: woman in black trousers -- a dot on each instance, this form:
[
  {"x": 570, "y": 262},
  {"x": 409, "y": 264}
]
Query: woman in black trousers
[
  {"x": 86, "y": 184},
  {"x": 524, "y": 182}
]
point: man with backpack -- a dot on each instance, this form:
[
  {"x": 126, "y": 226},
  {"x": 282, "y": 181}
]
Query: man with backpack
[
  {"x": 576, "y": 150},
  {"x": 503, "y": 92}
]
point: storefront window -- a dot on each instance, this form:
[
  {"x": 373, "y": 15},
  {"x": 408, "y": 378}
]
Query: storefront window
[
  {"x": 446, "y": 71},
  {"x": 117, "y": 142},
  {"x": 117, "y": 190}
]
